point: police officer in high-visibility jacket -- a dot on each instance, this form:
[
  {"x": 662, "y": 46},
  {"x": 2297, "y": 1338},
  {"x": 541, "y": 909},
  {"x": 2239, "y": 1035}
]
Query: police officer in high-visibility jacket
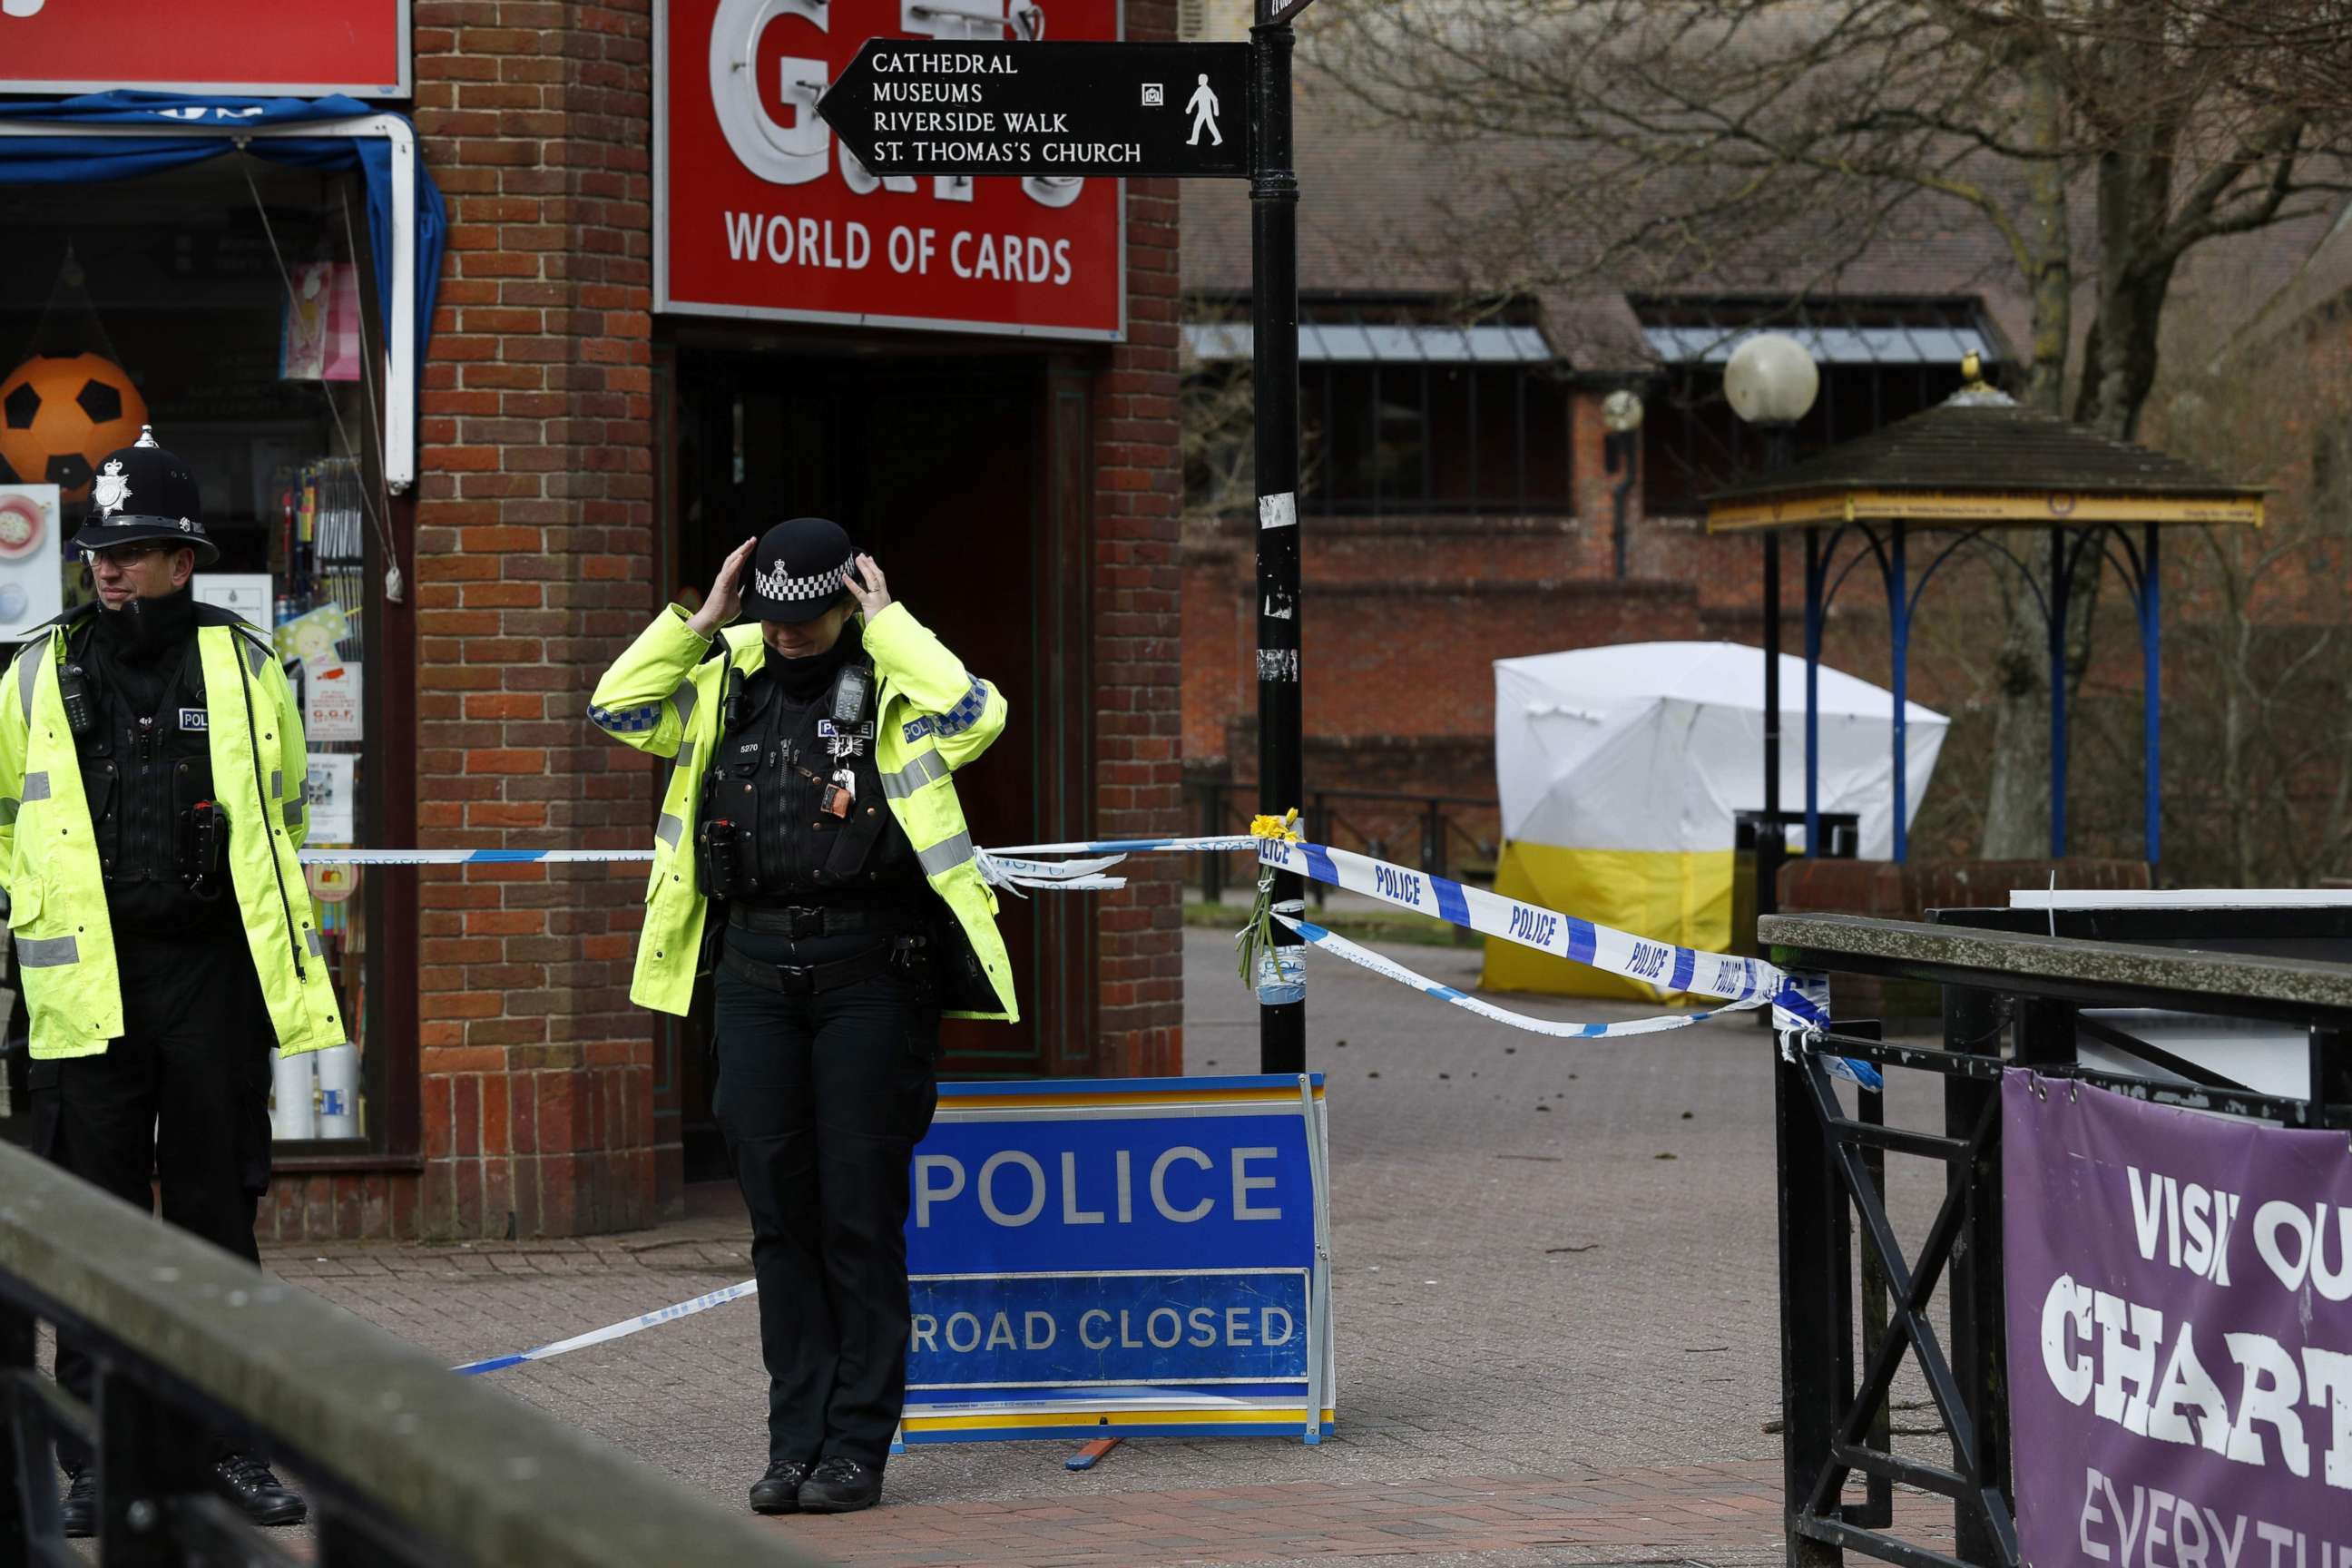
[
  {"x": 812, "y": 850},
  {"x": 151, "y": 767}
]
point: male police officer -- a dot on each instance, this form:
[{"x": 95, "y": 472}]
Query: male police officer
[
  {"x": 811, "y": 837},
  {"x": 151, "y": 804}
]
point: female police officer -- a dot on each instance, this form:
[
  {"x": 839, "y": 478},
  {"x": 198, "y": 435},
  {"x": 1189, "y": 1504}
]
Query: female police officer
[{"x": 812, "y": 847}]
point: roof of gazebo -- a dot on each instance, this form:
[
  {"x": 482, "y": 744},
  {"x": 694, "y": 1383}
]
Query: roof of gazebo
[{"x": 1980, "y": 460}]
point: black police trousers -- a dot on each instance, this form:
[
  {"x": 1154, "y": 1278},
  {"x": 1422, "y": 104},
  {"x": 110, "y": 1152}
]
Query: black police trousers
[
  {"x": 822, "y": 1097},
  {"x": 181, "y": 1100}
]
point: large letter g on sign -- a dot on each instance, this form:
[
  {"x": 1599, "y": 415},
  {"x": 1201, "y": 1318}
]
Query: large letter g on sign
[{"x": 780, "y": 155}]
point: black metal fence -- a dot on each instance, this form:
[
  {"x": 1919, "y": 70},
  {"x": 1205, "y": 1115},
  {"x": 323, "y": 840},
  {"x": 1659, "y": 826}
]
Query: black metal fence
[
  {"x": 2011, "y": 999},
  {"x": 403, "y": 1461},
  {"x": 1443, "y": 835}
]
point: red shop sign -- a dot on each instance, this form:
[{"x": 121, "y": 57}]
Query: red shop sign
[
  {"x": 262, "y": 47},
  {"x": 758, "y": 211}
]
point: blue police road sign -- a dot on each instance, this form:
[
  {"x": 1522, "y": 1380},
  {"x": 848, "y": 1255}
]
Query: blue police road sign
[{"x": 1121, "y": 1258}]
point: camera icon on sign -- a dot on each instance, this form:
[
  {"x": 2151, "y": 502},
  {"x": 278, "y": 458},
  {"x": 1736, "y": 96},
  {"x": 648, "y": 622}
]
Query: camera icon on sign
[{"x": 1155, "y": 95}]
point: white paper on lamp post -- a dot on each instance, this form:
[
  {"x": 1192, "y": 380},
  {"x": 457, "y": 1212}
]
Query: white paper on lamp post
[
  {"x": 333, "y": 787},
  {"x": 330, "y": 702}
]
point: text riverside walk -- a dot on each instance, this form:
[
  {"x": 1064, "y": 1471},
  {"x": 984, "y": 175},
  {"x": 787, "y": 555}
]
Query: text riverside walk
[{"x": 1051, "y": 110}]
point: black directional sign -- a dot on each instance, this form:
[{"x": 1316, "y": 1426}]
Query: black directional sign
[{"x": 919, "y": 107}]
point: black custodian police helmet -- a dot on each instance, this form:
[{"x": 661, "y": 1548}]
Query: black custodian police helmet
[
  {"x": 798, "y": 570},
  {"x": 143, "y": 492}
]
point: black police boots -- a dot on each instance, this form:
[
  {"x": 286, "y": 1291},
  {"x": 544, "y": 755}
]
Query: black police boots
[
  {"x": 254, "y": 1487},
  {"x": 840, "y": 1486},
  {"x": 79, "y": 1512},
  {"x": 779, "y": 1492},
  {"x": 247, "y": 1482}
]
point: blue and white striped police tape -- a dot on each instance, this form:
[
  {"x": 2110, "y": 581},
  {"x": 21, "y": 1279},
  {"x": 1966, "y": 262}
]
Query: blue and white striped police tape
[
  {"x": 620, "y": 1330},
  {"x": 1113, "y": 848},
  {"x": 1799, "y": 1003},
  {"x": 1661, "y": 964},
  {"x": 1364, "y": 958},
  {"x": 1003, "y": 870},
  {"x": 469, "y": 856}
]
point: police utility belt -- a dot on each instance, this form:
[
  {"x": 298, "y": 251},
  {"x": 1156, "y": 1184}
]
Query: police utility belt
[{"x": 147, "y": 779}]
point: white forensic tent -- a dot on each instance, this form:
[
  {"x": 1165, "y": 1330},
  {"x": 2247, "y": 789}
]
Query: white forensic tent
[{"x": 1620, "y": 768}]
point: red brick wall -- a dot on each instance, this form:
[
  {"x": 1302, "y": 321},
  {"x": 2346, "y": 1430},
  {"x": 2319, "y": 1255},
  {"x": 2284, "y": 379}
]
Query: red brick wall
[
  {"x": 534, "y": 523},
  {"x": 1138, "y": 750},
  {"x": 1404, "y": 617}
]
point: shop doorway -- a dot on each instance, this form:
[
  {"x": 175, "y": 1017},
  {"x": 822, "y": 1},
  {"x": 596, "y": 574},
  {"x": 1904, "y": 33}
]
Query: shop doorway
[{"x": 964, "y": 478}]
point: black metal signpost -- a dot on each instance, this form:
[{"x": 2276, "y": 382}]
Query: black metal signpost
[{"x": 914, "y": 106}]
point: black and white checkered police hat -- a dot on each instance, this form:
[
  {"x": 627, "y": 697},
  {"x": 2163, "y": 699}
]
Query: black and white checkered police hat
[
  {"x": 142, "y": 494},
  {"x": 797, "y": 573}
]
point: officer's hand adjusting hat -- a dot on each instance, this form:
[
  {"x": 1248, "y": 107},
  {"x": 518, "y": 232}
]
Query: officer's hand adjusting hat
[
  {"x": 144, "y": 493},
  {"x": 797, "y": 573}
]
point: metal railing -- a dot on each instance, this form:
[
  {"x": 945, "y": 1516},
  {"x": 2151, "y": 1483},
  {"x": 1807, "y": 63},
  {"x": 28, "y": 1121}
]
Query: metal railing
[
  {"x": 2011, "y": 999},
  {"x": 1379, "y": 823},
  {"x": 403, "y": 1461}
]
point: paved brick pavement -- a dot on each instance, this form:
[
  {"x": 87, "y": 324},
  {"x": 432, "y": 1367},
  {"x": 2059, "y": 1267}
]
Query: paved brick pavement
[{"x": 1554, "y": 1295}]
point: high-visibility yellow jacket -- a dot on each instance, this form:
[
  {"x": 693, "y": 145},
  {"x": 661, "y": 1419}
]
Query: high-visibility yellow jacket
[
  {"x": 931, "y": 717},
  {"x": 49, "y": 849}
]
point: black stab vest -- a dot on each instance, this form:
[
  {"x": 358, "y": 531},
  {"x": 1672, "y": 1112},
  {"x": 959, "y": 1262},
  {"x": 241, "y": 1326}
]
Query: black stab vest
[
  {"x": 788, "y": 849},
  {"x": 144, "y": 774}
]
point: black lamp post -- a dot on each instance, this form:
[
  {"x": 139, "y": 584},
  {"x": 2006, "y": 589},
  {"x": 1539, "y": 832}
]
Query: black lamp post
[
  {"x": 1621, "y": 454},
  {"x": 1771, "y": 382}
]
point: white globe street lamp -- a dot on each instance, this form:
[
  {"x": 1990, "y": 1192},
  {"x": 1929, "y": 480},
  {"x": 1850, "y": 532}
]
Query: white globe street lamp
[
  {"x": 1771, "y": 382},
  {"x": 1620, "y": 448}
]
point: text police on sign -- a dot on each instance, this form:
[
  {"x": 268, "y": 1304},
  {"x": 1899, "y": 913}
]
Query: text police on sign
[
  {"x": 1138, "y": 1255},
  {"x": 908, "y": 108}
]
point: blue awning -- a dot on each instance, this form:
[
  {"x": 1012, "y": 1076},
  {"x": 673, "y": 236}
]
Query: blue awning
[
  {"x": 97, "y": 136},
  {"x": 61, "y": 158}
]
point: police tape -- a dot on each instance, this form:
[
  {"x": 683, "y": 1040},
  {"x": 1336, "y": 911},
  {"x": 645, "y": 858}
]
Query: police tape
[
  {"x": 1666, "y": 965},
  {"x": 1794, "y": 1011},
  {"x": 1364, "y": 958},
  {"x": 1013, "y": 873},
  {"x": 469, "y": 856},
  {"x": 1110, "y": 852},
  {"x": 1230, "y": 842},
  {"x": 610, "y": 1331},
  {"x": 1663, "y": 964}
]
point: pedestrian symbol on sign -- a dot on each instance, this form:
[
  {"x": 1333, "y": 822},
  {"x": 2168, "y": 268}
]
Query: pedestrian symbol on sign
[
  {"x": 1203, "y": 107},
  {"x": 1155, "y": 96}
]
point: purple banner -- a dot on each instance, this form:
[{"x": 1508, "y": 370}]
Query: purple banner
[{"x": 2180, "y": 1334}]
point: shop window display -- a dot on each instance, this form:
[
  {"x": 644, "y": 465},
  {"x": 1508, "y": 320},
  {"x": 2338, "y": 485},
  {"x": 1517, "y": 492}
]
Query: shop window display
[{"x": 231, "y": 306}]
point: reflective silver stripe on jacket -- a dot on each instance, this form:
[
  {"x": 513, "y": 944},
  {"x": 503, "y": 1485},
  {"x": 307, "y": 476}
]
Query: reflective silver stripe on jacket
[
  {"x": 317, "y": 951},
  {"x": 293, "y": 810},
  {"x": 8, "y": 809},
  {"x": 28, "y": 670},
  {"x": 47, "y": 951},
  {"x": 928, "y": 767},
  {"x": 672, "y": 828},
  {"x": 946, "y": 855},
  {"x": 257, "y": 656},
  {"x": 37, "y": 786},
  {"x": 683, "y": 699}
]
